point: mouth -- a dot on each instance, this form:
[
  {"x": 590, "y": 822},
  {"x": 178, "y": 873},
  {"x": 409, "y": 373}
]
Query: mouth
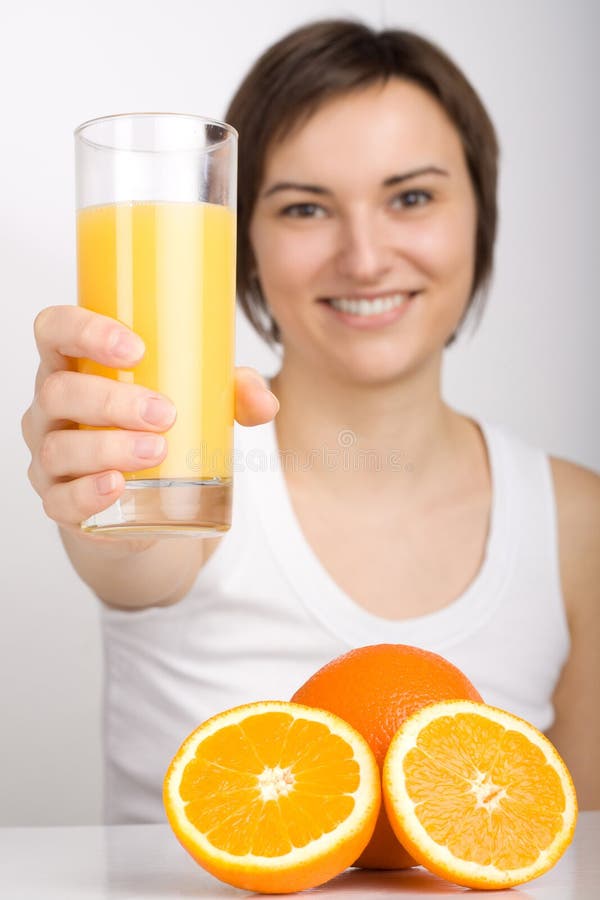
[{"x": 371, "y": 307}]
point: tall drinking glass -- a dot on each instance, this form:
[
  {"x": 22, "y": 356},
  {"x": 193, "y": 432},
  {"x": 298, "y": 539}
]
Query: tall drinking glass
[{"x": 156, "y": 198}]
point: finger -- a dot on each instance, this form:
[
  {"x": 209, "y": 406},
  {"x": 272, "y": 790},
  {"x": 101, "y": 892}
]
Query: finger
[
  {"x": 254, "y": 402},
  {"x": 77, "y": 452},
  {"x": 63, "y": 332},
  {"x": 27, "y": 427},
  {"x": 71, "y": 502},
  {"x": 94, "y": 400}
]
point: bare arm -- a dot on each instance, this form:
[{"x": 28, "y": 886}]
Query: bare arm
[
  {"x": 576, "y": 731},
  {"x": 79, "y": 472},
  {"x": 128, "y": 574}
]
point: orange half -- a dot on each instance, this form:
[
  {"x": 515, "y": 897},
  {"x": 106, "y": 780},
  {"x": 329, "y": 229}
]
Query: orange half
[
  {"x": 478, "y": 795},
  {"x": 273, "y": 797}
]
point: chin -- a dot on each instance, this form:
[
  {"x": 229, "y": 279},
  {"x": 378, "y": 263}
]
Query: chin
[
  {"x": 401, "y": 353},
  {"x": 370, "y": 369}
]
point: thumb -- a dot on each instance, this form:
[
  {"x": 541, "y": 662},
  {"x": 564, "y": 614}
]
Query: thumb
[{"x": 254, "y": 402}]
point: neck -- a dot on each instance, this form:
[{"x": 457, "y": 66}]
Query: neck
[{"x": 404, "y": 423}]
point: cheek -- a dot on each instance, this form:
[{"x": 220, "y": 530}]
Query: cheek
[
  {"x": 447, "y": 250},
  {"x": 445, "y": 247},
  {"x": 287, "y": 260}
]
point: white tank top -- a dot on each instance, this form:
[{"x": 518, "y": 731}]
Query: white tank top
[{"x": 264, "y": 614}]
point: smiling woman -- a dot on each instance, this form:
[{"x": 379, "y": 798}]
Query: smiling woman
[
  {"x": 371, "y": 511},
  {"x": 332, "y": 59},
  {"x": 367, "y": 257}
]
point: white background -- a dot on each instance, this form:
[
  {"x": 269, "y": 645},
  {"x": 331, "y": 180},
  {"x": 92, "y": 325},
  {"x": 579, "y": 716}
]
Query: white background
[{"x": 532, "y": 365}]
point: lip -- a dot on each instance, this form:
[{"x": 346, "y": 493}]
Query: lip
[
  {"x": 369, "y": 323},
  {"x": 369, "y": 295}
]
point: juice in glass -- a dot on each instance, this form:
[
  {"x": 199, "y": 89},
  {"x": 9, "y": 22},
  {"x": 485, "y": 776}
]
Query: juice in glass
[
  {"x": 167, "y": 271},
  {"x": 156, "y": 200}
]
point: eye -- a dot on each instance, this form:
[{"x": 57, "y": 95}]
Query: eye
[
  {"x": 303, "y": 211},
  {"x": 409, "y": 199}
]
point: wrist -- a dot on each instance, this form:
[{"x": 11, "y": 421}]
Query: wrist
[{"x": 114, "y": 548}]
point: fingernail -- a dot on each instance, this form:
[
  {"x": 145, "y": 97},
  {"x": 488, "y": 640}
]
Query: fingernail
[
  {"x": 157, "y": 411},
  {"x": 257, "y": 378},
  {"x": 149, "y": 446},
  {"x": 125, "y": 345},
  {"x": 106, "y": 484},
  {"x": 276, "y": 401}
]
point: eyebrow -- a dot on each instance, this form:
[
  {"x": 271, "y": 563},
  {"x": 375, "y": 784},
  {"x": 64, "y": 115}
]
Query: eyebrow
[{"x": 321, "y": 191}]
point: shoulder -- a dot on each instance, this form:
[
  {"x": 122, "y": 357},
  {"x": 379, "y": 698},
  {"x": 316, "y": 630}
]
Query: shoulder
[{"x": 577, "y": 492}]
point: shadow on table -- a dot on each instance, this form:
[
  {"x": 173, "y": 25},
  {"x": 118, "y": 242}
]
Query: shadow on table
[
  {"x": 149, "y": 862},
  {"x": 407, "y": 882}
]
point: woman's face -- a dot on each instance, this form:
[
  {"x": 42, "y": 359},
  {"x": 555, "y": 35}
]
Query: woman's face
[{"x": 364, "y": 233}]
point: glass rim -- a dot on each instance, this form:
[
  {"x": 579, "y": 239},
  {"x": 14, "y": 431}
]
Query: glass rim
[{"x": 205, "y": 120}]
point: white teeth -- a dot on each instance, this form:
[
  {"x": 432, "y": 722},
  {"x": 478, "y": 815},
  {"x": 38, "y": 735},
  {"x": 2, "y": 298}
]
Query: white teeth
[{"x": 369, "y": 307}]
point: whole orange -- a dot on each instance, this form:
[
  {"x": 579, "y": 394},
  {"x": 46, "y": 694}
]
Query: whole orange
[{"x": 374, "y": 689}]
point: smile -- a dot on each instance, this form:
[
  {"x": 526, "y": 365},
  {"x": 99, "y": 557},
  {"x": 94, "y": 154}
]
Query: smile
[{"x": 375, "y": 306}]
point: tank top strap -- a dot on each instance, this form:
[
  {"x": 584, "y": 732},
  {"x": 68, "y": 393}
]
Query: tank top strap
[{"x": 522, "y": 473}]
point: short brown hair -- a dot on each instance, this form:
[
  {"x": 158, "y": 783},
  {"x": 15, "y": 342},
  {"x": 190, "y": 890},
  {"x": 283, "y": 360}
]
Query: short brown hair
[{"x": 327, "y": 58}]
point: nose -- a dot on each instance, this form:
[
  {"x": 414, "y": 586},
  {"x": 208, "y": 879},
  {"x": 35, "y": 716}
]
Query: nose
[{"x": 364, "y": 255}]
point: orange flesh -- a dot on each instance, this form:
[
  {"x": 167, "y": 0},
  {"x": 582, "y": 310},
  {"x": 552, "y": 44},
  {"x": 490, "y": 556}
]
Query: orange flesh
[
  {"x": 494, "y": 780},
  {"x": 307, "y": 773}
]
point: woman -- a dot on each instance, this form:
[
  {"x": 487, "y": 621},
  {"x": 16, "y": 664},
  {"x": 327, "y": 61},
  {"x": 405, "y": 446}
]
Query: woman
[{"x": 367, "y": 218}]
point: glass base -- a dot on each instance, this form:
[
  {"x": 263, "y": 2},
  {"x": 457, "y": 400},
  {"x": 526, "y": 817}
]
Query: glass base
[{"x": 169, "y": 507}]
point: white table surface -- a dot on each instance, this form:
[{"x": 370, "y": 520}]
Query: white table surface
[{"x": 145, "y": 862}]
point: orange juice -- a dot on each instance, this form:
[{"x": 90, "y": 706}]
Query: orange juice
[{"x": 167, "y": 271}]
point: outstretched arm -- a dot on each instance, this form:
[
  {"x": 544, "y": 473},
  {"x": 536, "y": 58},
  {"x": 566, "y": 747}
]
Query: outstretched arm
[{"x": 79, "y": 472}]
